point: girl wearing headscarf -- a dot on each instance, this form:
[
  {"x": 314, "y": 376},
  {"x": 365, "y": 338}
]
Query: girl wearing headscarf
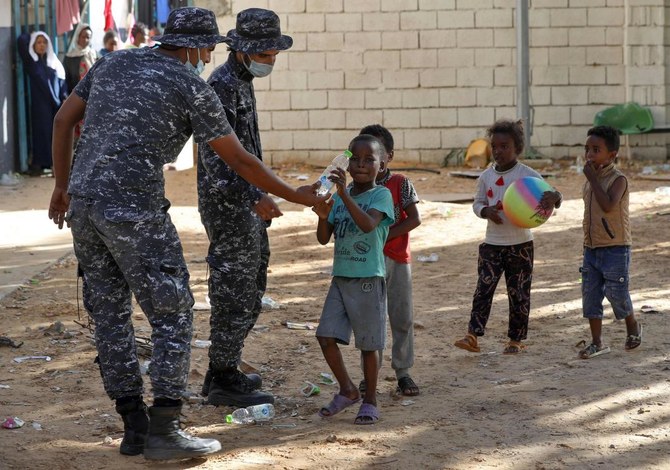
[
  {"x": 47, "y": 91},
  {"x": 80, "y": 55}
]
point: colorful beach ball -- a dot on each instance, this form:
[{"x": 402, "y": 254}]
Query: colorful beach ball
[{"x": 521, "y": 202}]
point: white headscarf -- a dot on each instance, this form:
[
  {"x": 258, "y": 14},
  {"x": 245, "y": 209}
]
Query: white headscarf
[{"x": 52, "y": 60}]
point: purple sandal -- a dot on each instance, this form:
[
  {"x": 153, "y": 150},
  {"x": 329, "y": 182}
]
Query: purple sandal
[
  {"x": 336, "y": 405},
  {"x": 367, "y": 414}
]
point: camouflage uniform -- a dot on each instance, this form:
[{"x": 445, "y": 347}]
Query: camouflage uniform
[
  {"x": 142, "y": 106},
  {"x": 239, "y": 250}
]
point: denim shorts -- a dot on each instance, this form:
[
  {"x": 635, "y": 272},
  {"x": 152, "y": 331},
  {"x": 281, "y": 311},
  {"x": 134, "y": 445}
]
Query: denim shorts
[{"x": 605, "y": 274}]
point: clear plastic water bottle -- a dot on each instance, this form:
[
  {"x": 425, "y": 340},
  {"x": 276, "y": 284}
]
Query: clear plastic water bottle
[
  {"x": 341, "y": 161},
  {"x": 252, "y": 414},
  {"x": 579, "y": 164}
]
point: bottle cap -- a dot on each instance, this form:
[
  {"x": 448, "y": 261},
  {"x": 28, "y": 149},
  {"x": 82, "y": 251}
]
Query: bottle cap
[
  {"x": 229, "y": 419},
  {"x": 347, "y": 154}
]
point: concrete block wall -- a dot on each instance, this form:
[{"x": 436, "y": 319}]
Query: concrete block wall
[{"x": 438, "y": 72}]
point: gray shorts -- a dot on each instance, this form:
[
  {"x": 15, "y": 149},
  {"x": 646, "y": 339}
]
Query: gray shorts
[{"x": 357, "y": 304}]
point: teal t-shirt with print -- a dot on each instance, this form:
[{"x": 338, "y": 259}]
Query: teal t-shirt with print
[{"x": 360, "y": 254}]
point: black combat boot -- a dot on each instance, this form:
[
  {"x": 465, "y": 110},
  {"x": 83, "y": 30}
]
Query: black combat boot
[
  {"x": 135, "y": 426},
  {"x": 167, "y": 441},
  {"x": 233, "y": 388},
  {"x": 254, "y": 381}
]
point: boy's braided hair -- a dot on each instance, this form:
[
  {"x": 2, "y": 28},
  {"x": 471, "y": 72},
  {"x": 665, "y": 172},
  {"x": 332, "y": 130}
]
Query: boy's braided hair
[
  {"x": 512, "y": 128},
  {"x": 609, "y": 134}
]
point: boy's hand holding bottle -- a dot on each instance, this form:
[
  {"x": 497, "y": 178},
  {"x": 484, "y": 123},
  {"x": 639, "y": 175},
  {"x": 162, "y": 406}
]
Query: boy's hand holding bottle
[{"x": 322, "y": 209}]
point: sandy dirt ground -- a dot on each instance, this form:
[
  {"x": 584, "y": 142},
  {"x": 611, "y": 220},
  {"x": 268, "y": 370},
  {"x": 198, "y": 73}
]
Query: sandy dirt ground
[{"x": 542, "y": 409}]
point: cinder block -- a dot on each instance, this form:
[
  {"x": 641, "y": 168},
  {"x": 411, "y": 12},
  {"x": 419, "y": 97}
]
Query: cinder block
[
  {"x": 383, "y": 99},
  {"x": 583, "y": 115},
  {"x": 288, "y": 80},
  {"x": 457, "y": 97},
  {"x": 588, "y": 75},
  {"x": 439, "y": 117},
  {"x": 273, "y": 100},
  {"x": 441, "y": 77},
  {"x": 475, "y": 76},
  {"x": 553, "y": 75},
  {"x": 496, "y": 18},
  {"x": 384, "y": 60},
  {"x": 418, "y": 20},
  {"x": 481, "y": 116},
  {"x": 381, "y": 22},
  {"x": 505, "y": 112},
  {"x": 540, "y": 95},
  {"x": 498, "y": 96},
  {"x": 588, "y": 3},
  {"x": 327, "y": 119},
  {"x": 419, "y": 58},
  {"x": 362, "y": 5},
  {"x": 504, "y": 76},
  {"x": 504, "y": 37},
  {"x": 454, "y": 57},
  {"x": 301, "y": 99},
  {"x": 606, "y": 94},
  {"x": 290, "y": 120},
  {"x": 402, "y": 118},
  {"x": 539, "y": 18},
  {"x": 400, "y": 5},
  {"x": 567, "y": 55},
  {"x": 362, "y": 80},
  {"x": 262, "y": 84},
  {"x": 566, "y": 95},
  {"x": 239, "y": 5},
  {"x": 309, "y": 61},
  {"x": 400, "y": 78},
  {"x": 496, "y": 57},
  {"x": 590, "y": 37},
  {"x": 475, "y": 4},
  {"x": 400, "y": 39},
  {"x": 365, "y": 41},
  {"x": 604, "y": 55},
  {"x": 647, "y": 55},
  {"x": 437, "y": 39},
  {"x": 359, "y": 118},
  {"x": 615, "y": 74},
  {"x": 650, "y": 75},
  {"x": 349, "y": 60},
  {"x": 460, "y": 137},
  {"x": 474, "y": 37},
  {"x": 329, "y": 80},
  {"x": 568, "y": 136},
  {"x": 568, "y": 17},
  {"x": 299, "y": 45},
  {"x": 277, "y": 140},
  {"x": 264, "y": 121},
  {"x": 324, "y": 6},
  {"x": 339, "y": 141},
  {"x": 550, "y": 4},
  {"x": 437, "y": 4},
  {"x": 606, "y": 16},
  {"x": 538, "y": 56},
  {"x": 346, "y": 99},
  {"x": 551, "y": 37},
  {"x": 325, "y": 42},
  {"x": 344, "y": 22},
  {"x": 551, "y": 116},
  {"x": 614, "y": 36},
  {"x": 306, "y": 23},
  {"x": 422, "y": 139},
  {"x": 287, "y": 6},
  {"x": 453, "y": 19},
  {"x": 421, "y": 98},
  {"x": 307, "y": 140}
]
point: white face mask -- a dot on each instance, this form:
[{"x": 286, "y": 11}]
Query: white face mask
[
  {"x": 258, "y": 69},
  {"x": 195, "y": 69}
]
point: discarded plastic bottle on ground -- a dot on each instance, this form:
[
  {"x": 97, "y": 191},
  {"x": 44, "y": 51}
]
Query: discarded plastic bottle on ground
[
  {"x": 579, "y": 164},
  {"x": 341, "y": 161},
  {"x": 252, "y": 414},
  {"x": 664, "y": 190}
]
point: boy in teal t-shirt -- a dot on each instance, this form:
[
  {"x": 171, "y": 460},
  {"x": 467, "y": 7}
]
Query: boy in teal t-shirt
[{"x": 360, "y": 217}]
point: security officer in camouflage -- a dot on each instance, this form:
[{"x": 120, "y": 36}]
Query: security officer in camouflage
[
  {"x": 141, "y": 106},
  {"x": 236, "y": 213}
]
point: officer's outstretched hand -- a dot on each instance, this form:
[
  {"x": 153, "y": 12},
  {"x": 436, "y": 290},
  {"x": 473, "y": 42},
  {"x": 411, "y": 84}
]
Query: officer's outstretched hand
[
  {"x": 308, "y": 195},
  {"x": 60, "y": 202}
]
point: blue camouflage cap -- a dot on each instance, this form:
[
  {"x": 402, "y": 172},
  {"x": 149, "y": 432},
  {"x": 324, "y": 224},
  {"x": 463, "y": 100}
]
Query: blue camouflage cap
[
  {"x": 258, "y": 30},
  {"x": 191, "y": 27}
]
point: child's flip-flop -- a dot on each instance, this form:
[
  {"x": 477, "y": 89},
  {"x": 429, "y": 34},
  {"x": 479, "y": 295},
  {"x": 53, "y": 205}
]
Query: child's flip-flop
[
  {"x": 633, "y": 341},
  {"x": 336, "y": 405},
  {"x": 367, "y": 414},
  {"x": 593, "y": 350}
]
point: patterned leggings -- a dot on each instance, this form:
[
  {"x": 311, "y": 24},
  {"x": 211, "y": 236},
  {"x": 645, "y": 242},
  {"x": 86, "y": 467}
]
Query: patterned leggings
[{"x": 516, "y": 262}]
